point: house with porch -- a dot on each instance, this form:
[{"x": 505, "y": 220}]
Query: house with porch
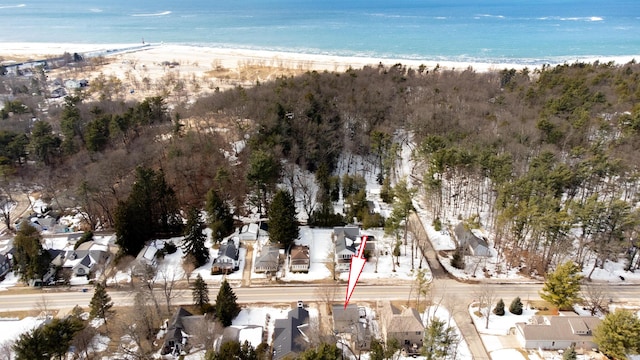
[
  {"x": 227, "y": 260},
  {"x": 299, "y": 259},
  {"x": 268, "y": 260}
]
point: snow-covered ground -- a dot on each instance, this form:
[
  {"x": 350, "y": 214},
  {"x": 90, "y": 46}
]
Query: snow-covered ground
[{"x": 10, "y": 328}]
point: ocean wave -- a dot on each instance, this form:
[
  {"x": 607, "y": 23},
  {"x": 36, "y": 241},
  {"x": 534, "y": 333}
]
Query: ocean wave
[
  {"x": 560, "y": 18},
  {"x": 489, "y": 16},
  {"x": 12, "y": 6},
  {"x": 95, "y": 10},
  {"x": 163, "y": 13}
]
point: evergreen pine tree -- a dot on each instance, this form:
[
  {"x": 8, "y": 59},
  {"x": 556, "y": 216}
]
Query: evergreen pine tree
[
  {"x": 570, "y": 354},
  {"x": 516, "y": 306},
  {"x": 226, "y": 306},
  {"x": 100, "y": 303},
  {"x": 499, "y": 309},
  {"x": 220, "y": 216},
  {"x": 283, "y": 222},
  {"x": 562, "y": 287},
  {"x": 323, "y": 351},
  {"x": 30, "y": 260},
  {"x": 194, "y": 239},
  {"x": 200, "y": 293},
  {"x": 439, "y": 340},
  {"x": 617, "y": 335}
]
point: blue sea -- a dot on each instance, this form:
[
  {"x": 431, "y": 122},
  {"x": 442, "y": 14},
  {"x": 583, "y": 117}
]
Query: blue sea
[{"x": 499, "y": 31}]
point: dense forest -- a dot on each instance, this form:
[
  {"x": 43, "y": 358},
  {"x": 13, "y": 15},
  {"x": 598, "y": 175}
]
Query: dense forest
[{"x": 546, "y": 160}]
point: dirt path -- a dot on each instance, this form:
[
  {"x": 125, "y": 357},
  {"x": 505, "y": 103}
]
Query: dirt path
[
  {"x": 22, "y": 206},
  {"x": 248, "y": 264}
]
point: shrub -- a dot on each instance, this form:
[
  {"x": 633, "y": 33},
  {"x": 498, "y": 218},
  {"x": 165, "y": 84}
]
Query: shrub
[
  {"x": 499, "y": 309},
  {"x": 372, "y": 220},
  {"x": 457, "y": 261},
  {"x": 170, "y": 247},
  {"x": 516, "y": 306},
  {"x": 437, "y": 224}
]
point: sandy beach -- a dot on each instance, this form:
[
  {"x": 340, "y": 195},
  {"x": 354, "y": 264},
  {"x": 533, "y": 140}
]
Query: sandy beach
[{"x": 149, "y": 69}]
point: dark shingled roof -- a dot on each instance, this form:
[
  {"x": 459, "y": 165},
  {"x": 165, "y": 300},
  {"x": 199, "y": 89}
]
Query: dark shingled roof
[{"x": 288, "y": 333}]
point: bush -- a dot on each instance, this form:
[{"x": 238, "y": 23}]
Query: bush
[
  {"x": 372, "y": 220},
  {"x": 170, "y": 247},
  {"x": 457, "y": 261},
  {"x": 516, "y": 306},
  {"x": 499, "y": 309},
  {"x": 437, "y": 224}
]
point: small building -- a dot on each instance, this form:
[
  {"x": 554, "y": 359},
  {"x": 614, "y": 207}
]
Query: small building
[
  {"x": 227, "y": 260},
  {"x": 557, "y": 332},
  {"x": 253, "y": 231},
  {"x": 403, "y": 325},
  {"x": 290, "y": 334},
  {"x": 147, "y": 256},
  {"x": 268, "y": 260},
  {"x": 299, "y": 259},
  {"x": 472, "y": 240}
]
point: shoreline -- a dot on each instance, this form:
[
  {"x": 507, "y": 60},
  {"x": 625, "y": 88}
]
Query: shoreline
[{"x": 234, "y": 58}]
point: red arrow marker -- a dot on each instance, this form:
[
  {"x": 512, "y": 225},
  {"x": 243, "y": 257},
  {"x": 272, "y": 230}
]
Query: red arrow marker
[{"x": 357, "y": 264}]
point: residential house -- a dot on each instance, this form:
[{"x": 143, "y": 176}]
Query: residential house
[
  {"x": 268, "y": 260},
  {"x": 403, "y": 325},
  {"x": 179, "y": 329},
  {"x": 299, "y": 259},
  {"x": 557, "y": 332},
  {"x": 345, "y": 240},
  {"x": 227, "y": 260},
  {"x": 353, "y": 326},
  {"x": 82, "y": 260},
  {"x": 290, "y": 334},
  {"x": 472, "y": 240}
]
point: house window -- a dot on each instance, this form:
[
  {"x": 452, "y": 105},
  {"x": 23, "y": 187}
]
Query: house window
[{"x": 418, "y": 332}]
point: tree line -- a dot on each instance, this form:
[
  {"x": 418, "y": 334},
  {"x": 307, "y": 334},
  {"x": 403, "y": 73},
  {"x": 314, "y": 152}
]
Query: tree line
[{"x": 541, "y": 152}]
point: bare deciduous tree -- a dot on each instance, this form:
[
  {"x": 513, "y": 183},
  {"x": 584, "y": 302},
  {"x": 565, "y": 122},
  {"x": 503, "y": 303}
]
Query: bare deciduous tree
[
  {"x": 206, "y": 333},
  {"x": 138, "y": 327},
  {"x": 169, "y": 280},
  {"x": 595, "y": 299},
  {"x": 486, "y": 296}
]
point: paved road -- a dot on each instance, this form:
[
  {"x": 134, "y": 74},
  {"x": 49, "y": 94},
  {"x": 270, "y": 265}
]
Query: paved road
[{"x": 15, "y": 300}]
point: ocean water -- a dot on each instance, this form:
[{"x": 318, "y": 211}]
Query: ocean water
[{"x": 519, "y": 31}]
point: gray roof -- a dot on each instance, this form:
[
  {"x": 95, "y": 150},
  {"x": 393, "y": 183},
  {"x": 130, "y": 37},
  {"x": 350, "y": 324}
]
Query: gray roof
[
  {"x": 288, "y": 333},
  {"x": 406, "y": 320},
  {"x": 268, "y": 259},
  {"x": 466, "y": 236},
  {"x": 229, "y": 250},
  {"x": 350, "y": 232},
  {"x": 560, "y": 328},
  {"x": 344, "y": 318}
]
